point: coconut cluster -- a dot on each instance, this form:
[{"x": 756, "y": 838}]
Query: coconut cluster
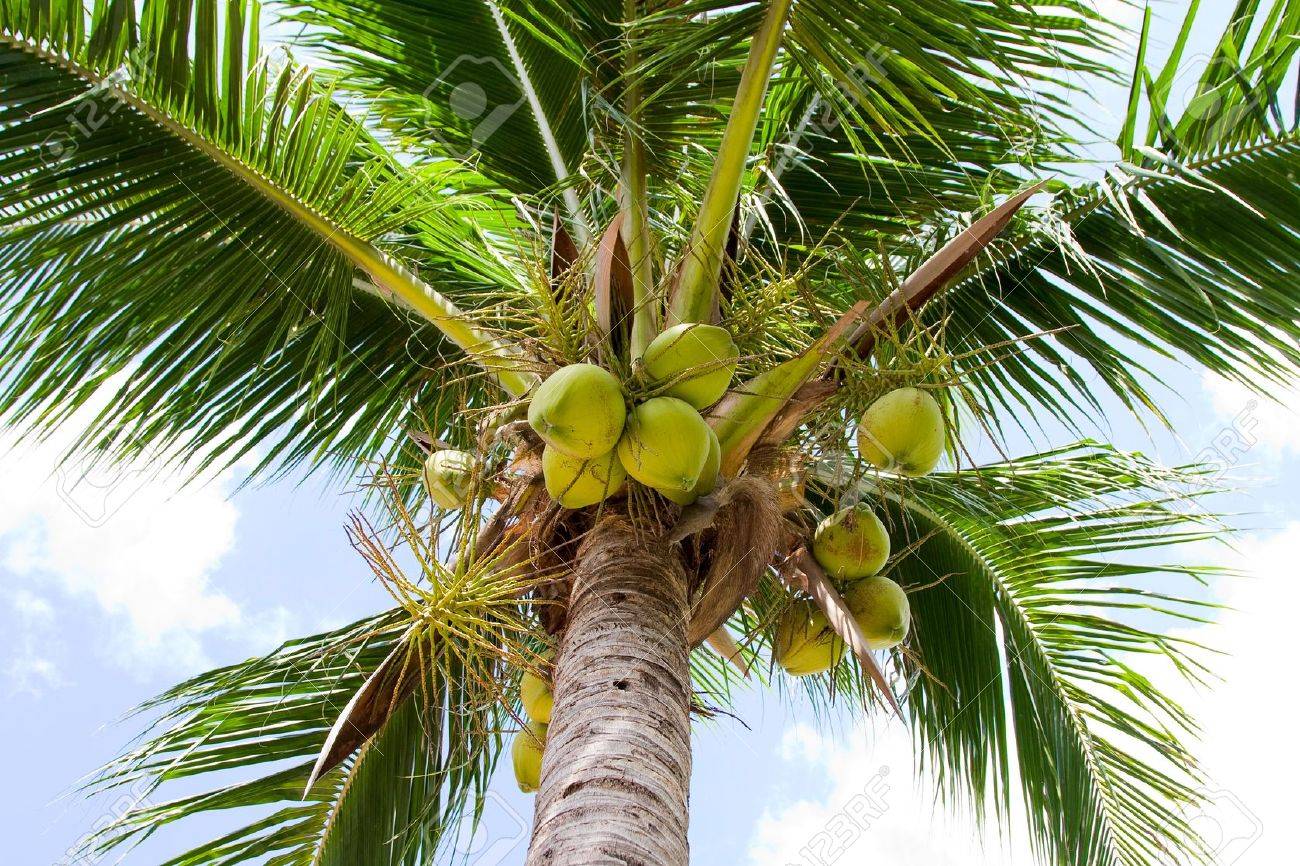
[
  {"x": 526, "y": 750},
  {"x": 901, "y": 432},
  {"x": 852, "y": 545},
  {"x": 593, "y": 441}
]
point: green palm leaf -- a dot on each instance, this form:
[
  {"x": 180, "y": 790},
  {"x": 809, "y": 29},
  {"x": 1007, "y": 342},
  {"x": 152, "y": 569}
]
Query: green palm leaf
[
  {"x": 502, "y": 83},
  {"x": 398, "y": 799},
  {"x": 203, "y": 244},
  {"x": 1186, "y": 250},
  {"x": 898, "y": 114},
  {"x": 263, "y": 712},
  {"x": 1033, "y": 614}
]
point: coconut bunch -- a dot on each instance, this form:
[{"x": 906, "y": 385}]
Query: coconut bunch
[
  {"x": 592, "y": 433},
  {"x": 594, "y": 442},
  {"x": 902, "y": 432},
  {"x": 597, "y": 432},
  {"x": 530, "y": 742}
]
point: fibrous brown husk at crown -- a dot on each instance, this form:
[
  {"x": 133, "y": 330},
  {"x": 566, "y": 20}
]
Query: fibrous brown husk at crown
[
  {"x": 734, "y": 552},
  {"x": 536, "y": 534},
  {"x": 554, "y": 550},
  {"x": 737, "y": 531}
]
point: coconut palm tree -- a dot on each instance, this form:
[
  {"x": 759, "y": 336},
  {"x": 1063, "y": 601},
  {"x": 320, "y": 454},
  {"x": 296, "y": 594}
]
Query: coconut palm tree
[{"x": 347, "y": 234}]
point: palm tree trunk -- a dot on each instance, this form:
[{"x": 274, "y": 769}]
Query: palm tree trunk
[{"x": 617, "y": 766}]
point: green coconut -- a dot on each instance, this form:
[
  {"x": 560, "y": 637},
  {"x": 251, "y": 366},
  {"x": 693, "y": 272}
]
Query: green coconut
[
  {"x": 665, "y": 445},
  {"x": 579, "y": 410},
  {"x": 805, "y": 642},
  {"x": 699, "y": 361},
  {"x": 576, "y": 483},
  {"x": 903, "y": 432},
  {"x": 538, "y": 701},
  {"x": 851, "y": 543},
  {"x": 448, "y": 475},
  {"x": 708, "y": 480},
  {"x": 880, "y": 607},
  {"x": 526, "y": 753}
]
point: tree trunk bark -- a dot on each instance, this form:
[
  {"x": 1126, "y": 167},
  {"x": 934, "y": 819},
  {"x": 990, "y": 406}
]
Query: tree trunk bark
[{"x": 617, "y": 766}]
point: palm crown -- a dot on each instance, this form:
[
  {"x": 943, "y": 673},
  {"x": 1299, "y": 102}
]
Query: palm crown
[{"x": 350, "y": 266}]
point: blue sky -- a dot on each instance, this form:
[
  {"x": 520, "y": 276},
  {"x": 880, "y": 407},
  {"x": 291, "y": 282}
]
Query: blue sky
[{"x": 112, "y": 594}]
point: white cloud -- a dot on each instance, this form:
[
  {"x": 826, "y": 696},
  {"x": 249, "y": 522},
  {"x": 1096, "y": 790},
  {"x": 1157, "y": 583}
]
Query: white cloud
[
  {"x": 874, "y": 809},
  {"x": 137, "y": 543},
  {"x": 1248, "y": 716},
  {"x": 29, "y": 669},
  {"x": 1245, "y": 420},
  {"x": 31, "y": 608},
  {"x": 31, "y": 674}
]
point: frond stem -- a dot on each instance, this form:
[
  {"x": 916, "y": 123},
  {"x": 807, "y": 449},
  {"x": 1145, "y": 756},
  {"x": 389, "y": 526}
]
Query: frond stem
[
  {"x": 634, "y": 193},
  {"x": 694, "y": 298},
  {"x": 581, "y": 230}
]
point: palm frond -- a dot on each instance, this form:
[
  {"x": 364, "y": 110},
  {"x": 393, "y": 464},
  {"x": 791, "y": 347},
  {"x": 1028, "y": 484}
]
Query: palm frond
[
  {"x": 1035, "y": 602},
  {"x": 1187, "y": 249},
  {"x": 893, "y": 115},
  {"x": 202, "y": 235},
  {"x": 458, "y": 636},
  {"x": 263, "y": 712},
  {"x": 530, "y": 64}
]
